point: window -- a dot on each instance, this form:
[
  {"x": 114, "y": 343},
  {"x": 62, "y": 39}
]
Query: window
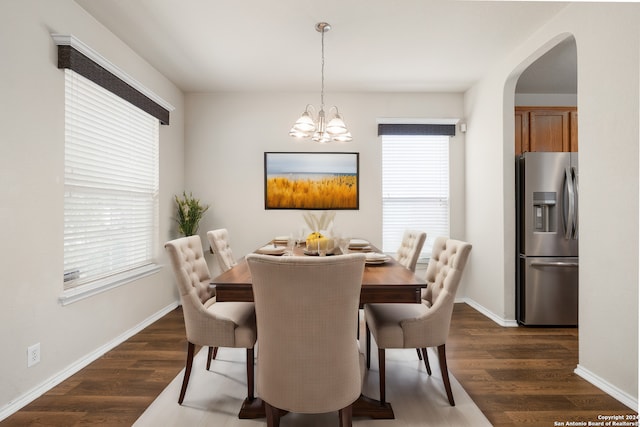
[
  {"x": 111, "y": 172},
  {"x": 415, "y": 187},
  {"x": 110, "y": 187}
]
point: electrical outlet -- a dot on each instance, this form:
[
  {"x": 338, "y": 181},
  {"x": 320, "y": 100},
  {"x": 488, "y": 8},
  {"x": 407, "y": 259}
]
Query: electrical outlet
[{"x": 33, "y": 355}]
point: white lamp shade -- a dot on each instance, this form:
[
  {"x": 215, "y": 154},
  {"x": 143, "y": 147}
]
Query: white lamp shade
[
  {"x": 305, "y": 123},
  {"x": 321, "y": 137},
  {"x": 298, "y": 134},
  {"x": 345, "y": 137},
  {"x": 336, "y": 126}
]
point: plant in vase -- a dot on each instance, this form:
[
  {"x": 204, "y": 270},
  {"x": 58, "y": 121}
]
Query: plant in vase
[{"x": 190, "y": 212}]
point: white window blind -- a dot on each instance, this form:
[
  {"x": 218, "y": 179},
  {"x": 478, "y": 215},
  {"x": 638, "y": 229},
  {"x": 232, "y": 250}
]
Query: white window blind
[
  {"x": 415, "y": 188},
  {"x": 110, "y": 184}
]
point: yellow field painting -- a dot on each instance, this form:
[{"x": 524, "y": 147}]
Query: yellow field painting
[{"x": 335, "y": 192}]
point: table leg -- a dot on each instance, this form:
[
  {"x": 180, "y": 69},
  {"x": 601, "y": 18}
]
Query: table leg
[
  {"x": 252, "y": 409},
  {"x": 371, "y": 408}
]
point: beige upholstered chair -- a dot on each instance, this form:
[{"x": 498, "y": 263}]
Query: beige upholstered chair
[
  {"x": 421, "y": 325},
  {"x": 409, "y": 250},
  {"x": 207, "y": 322},
  {"x": 219, "y": 241},
  {"x": 307, "y": 311}
]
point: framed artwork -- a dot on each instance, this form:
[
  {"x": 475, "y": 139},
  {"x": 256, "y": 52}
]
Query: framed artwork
[{"x": 318, "y": 181}]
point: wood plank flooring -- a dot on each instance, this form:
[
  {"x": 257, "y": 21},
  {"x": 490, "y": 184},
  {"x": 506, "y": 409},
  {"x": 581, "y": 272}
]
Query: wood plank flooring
[
  {"x": 517, "y": 376},
  {"x": 523, "y": 376}
]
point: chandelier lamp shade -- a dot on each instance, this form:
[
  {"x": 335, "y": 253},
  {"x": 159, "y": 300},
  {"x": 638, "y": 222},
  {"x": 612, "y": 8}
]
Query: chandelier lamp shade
[{"x": 320, "y": 126}]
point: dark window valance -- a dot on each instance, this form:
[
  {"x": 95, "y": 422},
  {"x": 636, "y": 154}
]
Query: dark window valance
[
  {"x": 69, "y": 57},
  {"x": 416, "y": 129}
]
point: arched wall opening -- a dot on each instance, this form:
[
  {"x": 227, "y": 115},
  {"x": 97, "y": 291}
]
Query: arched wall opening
[{"x": 509, "y": 103}]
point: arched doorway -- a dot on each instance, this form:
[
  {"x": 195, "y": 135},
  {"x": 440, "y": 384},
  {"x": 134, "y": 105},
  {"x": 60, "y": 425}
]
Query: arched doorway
[{"x": 545, "y": 100}]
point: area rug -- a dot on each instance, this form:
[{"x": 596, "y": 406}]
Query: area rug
[{"x": 214, "y": 397}]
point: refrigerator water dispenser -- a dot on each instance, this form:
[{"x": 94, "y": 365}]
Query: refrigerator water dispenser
[{"x": 544, "y": 204}]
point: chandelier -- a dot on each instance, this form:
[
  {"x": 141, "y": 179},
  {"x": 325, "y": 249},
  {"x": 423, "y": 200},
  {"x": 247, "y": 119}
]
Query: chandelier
[{"x": 318, "y": 128}]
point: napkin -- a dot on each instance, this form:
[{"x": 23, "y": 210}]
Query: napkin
[{"x": 271, "y": 250}]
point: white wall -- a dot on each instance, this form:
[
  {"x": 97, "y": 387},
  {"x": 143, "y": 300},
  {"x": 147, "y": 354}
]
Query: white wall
[
  {"x": 546, "y": 99},
  {"x": 227, "y": 134},
  {"x": 31, "y": 191},
  {"x": 608, "y": 70}
]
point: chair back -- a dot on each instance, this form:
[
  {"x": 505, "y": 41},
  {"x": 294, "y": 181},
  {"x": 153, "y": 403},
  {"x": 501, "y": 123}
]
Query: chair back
[
  {"x": 448, "y": 259},
  {"x": 193, "y": 278},
  {"x": 219, "y": 241},
  {"x": 444, "y": 273},
  {"x": 307, "y": 318},
  {"x": 409, "y": 250},
  {"x": 190, "y": 267}
]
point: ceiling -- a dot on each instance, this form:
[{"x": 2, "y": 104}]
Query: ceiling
[{"x": 374, "y": 45}]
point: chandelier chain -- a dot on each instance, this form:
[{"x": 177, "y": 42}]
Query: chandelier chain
[{"x": 322, "y": 72}]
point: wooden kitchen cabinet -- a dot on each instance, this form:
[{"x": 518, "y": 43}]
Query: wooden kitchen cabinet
[{"x": 546, "y": 129}]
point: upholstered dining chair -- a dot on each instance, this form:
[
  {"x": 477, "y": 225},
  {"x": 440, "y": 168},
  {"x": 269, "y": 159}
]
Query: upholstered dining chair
[
  {"x": 219, "y": 241},
  {"x": 421, "y": 325},
  {"x": 306, "y": 311},
  {"x": 410, "y": 247},
  {"x": 207, "y": 322}
]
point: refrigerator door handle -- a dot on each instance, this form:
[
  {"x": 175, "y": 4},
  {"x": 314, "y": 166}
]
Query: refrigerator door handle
[
  {"x": 574, "y": 175},
  {"x": 569, "y": 204},
  {"x": 553, "y": 264}
]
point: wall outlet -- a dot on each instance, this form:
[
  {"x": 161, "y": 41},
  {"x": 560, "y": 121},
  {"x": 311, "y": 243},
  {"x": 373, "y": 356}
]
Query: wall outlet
[{"x": 33, "y": 355}]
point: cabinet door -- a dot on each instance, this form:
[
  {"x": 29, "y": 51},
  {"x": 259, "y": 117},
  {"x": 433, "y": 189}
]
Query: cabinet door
[
  {"x": 549, "y": 130},
  {"x": 522, "y": 132},
  {"x": 573, "y": 145}
]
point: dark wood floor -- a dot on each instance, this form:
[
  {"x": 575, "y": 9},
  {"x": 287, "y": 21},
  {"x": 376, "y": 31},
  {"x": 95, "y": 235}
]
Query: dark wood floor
[
  {"x": 517, "y": 376},
  {"x": 523, "y": 376}
]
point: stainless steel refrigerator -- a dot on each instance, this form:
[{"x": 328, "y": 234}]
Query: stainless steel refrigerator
[{"x": 547, "y": 239}]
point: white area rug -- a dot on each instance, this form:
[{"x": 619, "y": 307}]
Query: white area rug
[{"x": 214, "y": 397}]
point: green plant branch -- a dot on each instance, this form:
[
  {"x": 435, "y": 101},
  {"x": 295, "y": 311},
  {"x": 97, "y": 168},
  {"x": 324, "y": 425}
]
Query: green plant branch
[{"x": 190, "y": 212}]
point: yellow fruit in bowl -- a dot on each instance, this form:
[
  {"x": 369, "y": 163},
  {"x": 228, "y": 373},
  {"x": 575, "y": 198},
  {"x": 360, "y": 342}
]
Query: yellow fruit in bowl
[{"x": 317, "y": 241}]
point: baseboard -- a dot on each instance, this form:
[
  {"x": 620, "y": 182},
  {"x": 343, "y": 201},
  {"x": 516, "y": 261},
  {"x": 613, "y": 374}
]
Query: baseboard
[
  {"x": 56, "y": 379},
  {"x": 507, "y": 323},
  {"x": 613, "y": 391}
]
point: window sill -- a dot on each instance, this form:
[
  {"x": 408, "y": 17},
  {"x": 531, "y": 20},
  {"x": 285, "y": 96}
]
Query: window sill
[{"x": 72, "y": 295}]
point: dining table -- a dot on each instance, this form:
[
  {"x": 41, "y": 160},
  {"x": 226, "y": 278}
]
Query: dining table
[{"x": 382, "y": 282}]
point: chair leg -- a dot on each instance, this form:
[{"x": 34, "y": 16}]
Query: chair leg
[
  {"x": 346, "y": 415},
  {"x": 250, "y": 370},
  {"x": 213, "y": 352},
  {"x": 426, "y": 360},
  {"x": 368, "y": 350},
  {"x": 187, "y": 371},
  {"x": 442, "y": 357},
  {"x": 419, "y": 354},
  {"x": 272, "y": 414},
  {"x": 381, "y": 367}
]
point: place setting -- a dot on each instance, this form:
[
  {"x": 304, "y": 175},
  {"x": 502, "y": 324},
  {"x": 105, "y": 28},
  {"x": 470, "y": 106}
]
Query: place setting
[{"x": 375, "y": 258}]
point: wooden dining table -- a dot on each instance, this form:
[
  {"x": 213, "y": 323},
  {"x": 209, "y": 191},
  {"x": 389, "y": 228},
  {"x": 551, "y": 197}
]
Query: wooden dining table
[{"x": 388, "y": 282}]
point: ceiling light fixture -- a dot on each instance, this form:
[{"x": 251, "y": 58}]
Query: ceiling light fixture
[{"x": 318, "y": 129}]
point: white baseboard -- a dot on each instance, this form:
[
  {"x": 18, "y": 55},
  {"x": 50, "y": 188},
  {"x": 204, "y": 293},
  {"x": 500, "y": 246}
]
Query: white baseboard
[
  {"x": 613, "y": 391},
  {"x": 56, "y": 379},
  {"x": 507, "y": 323}
]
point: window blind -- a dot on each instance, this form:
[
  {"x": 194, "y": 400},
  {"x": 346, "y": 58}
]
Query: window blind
[
  {"x": 415, "y": 188},
  {"x": 110, "y": 183}
]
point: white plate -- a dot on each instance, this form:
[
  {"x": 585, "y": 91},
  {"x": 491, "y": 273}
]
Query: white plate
[
  {"x": 358, "y": 243},
  {"x": 375, "y": 262},
  {"x": 376, "y": 258},
  {"x": 271, "y": 250}
]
